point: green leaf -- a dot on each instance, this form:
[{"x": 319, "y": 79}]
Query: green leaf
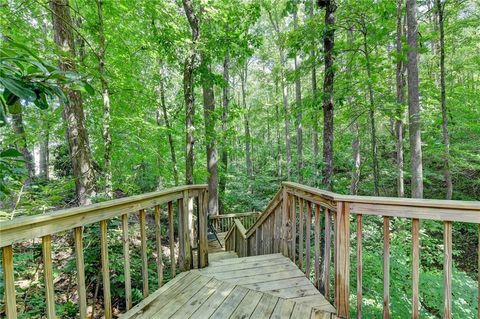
[
  {"x": 11, "y": 152},
  {"x": 89, "y": 89},
  {"x": 19, "y": 89}
]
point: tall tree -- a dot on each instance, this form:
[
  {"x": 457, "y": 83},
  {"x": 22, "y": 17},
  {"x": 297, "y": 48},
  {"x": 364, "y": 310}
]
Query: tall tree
[
  {"x": 224, "y": 153},
  {"x": 400, "y": 86},
  {"x": 328, "y": 102},
  {"x": 188, "y": 90},
  {"x": 107, "y": 137},
  {"x": 298, "y": 104},
  {"x": 315, "y": 148},
  {"x": 210, "y": 137},
  {"x": 440, "y": 6},
  {"x": 248, "y": 148},
  {"x": 283, "y": 83},
  {"x": 19, "y": 129},
  {"x": 416, "y": 166},
  {"x": 73, "y": 110}
]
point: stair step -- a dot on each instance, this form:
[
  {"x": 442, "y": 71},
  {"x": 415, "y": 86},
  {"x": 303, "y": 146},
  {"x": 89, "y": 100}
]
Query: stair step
[{"x": 220, "y": 256}]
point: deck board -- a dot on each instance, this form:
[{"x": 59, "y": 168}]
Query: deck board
[{"x": 266, "y": 286}]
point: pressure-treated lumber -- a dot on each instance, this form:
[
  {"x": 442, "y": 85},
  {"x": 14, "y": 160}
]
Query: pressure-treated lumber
[
  {"x": 308, "y": 226},
  {"x": 107, "y": 299},
  {"x": 126, "y": 262},
  {"x": 342, "y": 265},
  {"x": 158, "y": 237},
  {"x": 415, "y": 268},
  {"x": 8, "y": 280},
  {"x": 447, "y": 270},
  {"x": 48, "y": 276},
  {"x": 359, "y": 266},
  {"x": 29, "y": 227},
  {"x": 171, "y": 238},
  {"x": 316, "y": 228},
  {"x": 386, "y": 267},
  {"x": 81, "y": 290},
  {"x": 143, "y": 252}
]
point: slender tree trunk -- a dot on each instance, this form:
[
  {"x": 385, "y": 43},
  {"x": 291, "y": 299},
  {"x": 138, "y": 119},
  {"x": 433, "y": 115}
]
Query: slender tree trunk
[
  {"x": 372, "y": 117},
  {"x": 224, "y": 153},
  {"x": 416, "y": 167},
  {"x": 298, "y": 102},
  {"x": 400, "y": 79},
  {"x": 288, "y": 150},
  {"x": 19, "y": 129},
  {"x": 355, "y": 130},
  {"x": 248, "y": 149},
  {"x": 188, "y": 91},
  {"x": 211, "y": 142},
  {"x": 163, "y": 108},
  {"x": 107, "y": 138},
  {"x": 73, "y": 111},
  {"x": 316, "y": 111},
  {"x": 278, "y": 134},
  {"x": 328, "y": 102},
  {"x": 443, "y": 99},
  {"x": 44, "y": 150}
]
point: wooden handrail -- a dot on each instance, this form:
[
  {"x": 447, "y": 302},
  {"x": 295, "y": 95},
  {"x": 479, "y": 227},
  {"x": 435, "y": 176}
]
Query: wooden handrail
[
  {"x": 74, "y": 219},
  {"x": 295, "y": 214},
  {"x": 224, "y": 222}
]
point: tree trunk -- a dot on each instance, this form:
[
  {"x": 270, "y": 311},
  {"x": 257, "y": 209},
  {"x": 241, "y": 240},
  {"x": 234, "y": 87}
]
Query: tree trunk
[
  {"x": 416, "y": 168},
  {"x": 171, "y": 143},
  {"x": 44, "y": 151},
  {"x": 211, "y": 142},
  {"x": 248, "y": 149},
  {"x": 372, "y": 117},
  {"x": 278, "y": 134},
  {"x": 19, "y": 129},
  {"x": 328, "y": 105},
  {"x": 188, "y": 91},
  {"x": 443, "y": 99},
  {"x": 298, "y": 102},
  {"x": 316, "y": 110},
  {"x": 400, "y": 79},
  {"x": 73, "y": 111},
  {"x": 354, "y": 128},
  {"x": 224, "y": 153},
  {"x": 283, "y": 84},
  {"x": 107, "y": 138}
]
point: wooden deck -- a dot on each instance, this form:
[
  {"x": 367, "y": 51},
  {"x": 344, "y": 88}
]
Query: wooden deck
[{"x": 266, "y": 286}]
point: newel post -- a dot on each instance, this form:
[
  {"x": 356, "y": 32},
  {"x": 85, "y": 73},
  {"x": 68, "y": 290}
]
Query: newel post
[
  {"x": 342, "y": 258},
  {"x": 285, "y": 221}
]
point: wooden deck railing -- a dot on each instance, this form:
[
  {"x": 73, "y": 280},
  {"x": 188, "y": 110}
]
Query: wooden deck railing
[
  {"x": 74, "y": 220},
  {"x": 286, "y": 224},
  {"x": 223, "y": 222}
]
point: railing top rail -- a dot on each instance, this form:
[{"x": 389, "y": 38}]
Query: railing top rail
[
  {"x": 431, "y": 203},
  {"x": 235, "y": 215},
  {"x": 29, "y": 227},
  {"x": 240, "y": 227}
]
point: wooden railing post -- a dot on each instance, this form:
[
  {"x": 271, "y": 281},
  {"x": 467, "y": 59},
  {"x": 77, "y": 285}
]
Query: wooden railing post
[
  {"x": 285, "y": 221},
  {"x": 9, "y": 282},
  {"x": 48, "y": 275},
  {"x": 342, "y": 264},
  {"x": 82, "y": 294},
  {"x": 185, "y": 249},
  {"x": 202, "y": 231}
]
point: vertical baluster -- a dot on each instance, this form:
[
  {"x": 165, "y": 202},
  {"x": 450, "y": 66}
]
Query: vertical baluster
[
  {"x": 158, "y": 232},
  {"x": 342, "y": 266},
  {"x": 300, "y": 235},
  {"x": 415, "y": 267},
  {"x": 293, "y": 226},
  {"x": 107, "y": 299},
  {"x": 327, "y": 256},
  {"x": 9, "y": 282},
  {"x": 202, "y": 231},
  {"x": 478, "y": 256},
  {"x": 82, "y": 294},
  {"x": 171, "y": 238},
  {"x": 359, "y": 266},
  {"x": 447, "y": 270},
  {"x": 285, "y": 215},
  {"x": 126, "y": 262},
  {"x": 48, "y": 275},
  {"x": 184, "y": 254},
  {"x": 386, "y": 267},
  {"x": 308, "y": 226},
  {"x": 317, "y": 245},
  {"x": 143, "y": 252}
]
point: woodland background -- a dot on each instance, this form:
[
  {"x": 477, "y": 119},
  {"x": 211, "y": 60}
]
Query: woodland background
[{"x": 166, "y": 87}]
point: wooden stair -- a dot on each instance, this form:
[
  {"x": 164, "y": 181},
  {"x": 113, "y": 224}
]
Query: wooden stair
[{"x": 232, "y": 287}]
